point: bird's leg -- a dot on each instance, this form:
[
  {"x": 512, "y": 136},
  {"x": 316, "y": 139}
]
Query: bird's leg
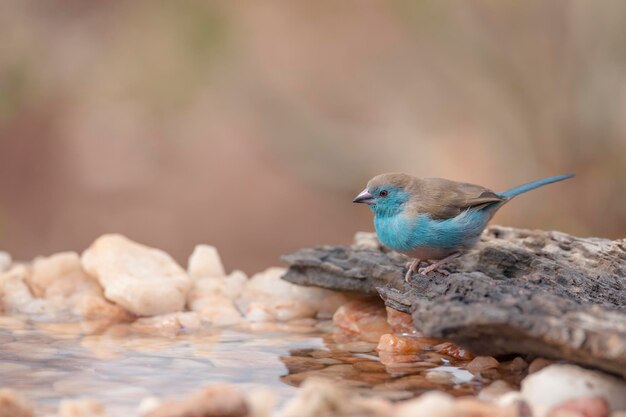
[
  {"x": 435, "y": 266},
  {"x": 412, "y": 267}
]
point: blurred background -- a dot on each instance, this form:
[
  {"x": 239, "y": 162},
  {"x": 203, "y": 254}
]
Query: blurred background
[{"x": 251, "y": 125}]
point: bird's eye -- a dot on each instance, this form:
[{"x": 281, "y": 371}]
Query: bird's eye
[{"x": 383, "y": 193}]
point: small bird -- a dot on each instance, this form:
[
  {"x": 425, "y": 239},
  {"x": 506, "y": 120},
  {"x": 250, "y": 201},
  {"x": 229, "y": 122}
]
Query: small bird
[{"x": 434, "y": 219}]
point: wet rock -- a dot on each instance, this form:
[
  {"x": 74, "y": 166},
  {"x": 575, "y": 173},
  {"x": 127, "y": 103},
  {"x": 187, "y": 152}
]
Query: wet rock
[
  {"x": 357, "y": 347},
  {"x": 400, "y": 322},
  {"x": 391, "y": 343},
  {"x": 320, "y": 397},
  {"x": 5, "y": 261},
  {"x": 205, "y": 262},
  {"x": 527, "y": 292},
  {"x": 581, "y": 407},
  {"x": 13, "y": 405},
  {"x": 556, "y": 384},
  {"x": 81, "y": 408},
  {"x": 143, "y": 280},
  {"x": 482, "y": 363},
  {"x": 220, "y": 400},
  {"x": 454, "y": 351},
  {"x": 167, "y": 325},
  {"x": 366, "y": 319},
  {"x": 430, "y": 404},
  {"x": 268, "y": 298}
]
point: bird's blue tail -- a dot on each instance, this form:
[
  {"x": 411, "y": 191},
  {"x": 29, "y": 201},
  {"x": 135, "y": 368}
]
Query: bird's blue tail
[{"x": 520, "y": 189}]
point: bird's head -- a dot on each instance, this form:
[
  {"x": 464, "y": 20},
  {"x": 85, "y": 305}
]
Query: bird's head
[{"x": 386, "y": 194}]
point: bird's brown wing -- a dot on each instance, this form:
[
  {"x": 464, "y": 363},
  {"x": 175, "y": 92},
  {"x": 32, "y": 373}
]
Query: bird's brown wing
[{"x": 444, "y": 199}]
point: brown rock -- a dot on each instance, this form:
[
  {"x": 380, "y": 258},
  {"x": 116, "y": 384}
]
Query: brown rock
[
  {"x": 400, "y": 322},
  {"x": 13, "y": 405},
  {"x": 455, "y": 351},
  {"x": 538, "y": 364},
  {"x": 220, "y": 400},
  {"x": 403, "y": 345},
  {"x": 482, "y": 363}
]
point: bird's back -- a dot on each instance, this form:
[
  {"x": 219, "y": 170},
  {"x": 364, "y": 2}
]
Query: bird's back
[{"x": 444, "y": 199}]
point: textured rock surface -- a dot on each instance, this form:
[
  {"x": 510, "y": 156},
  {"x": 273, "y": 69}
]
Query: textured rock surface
[
  {"x": 542, "y": 293},
  {"x": 143, "y": 280}
]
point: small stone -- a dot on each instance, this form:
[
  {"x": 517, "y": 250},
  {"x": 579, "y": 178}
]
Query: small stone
[
  {"x": 538, "y": 364},
  {"x": 357, "y": 347},
  {"x": 369, "y": 366},
  {"x": 60, "y": 276},
  {"x": 495, "y": 391},
  {"x": 455, "y": 351},
  {"x": 482, "y": 363},
  {"x": 583, "y": 407},
  {"x": 267, "y": 297},
  {"x": 13, "y": 405},
  {"x": 367, "y": 320},
  {"x": 408, "y": 383},
  {"x": 557, "y": 384},
  {"x": 212, "y": 298},
  {"x": 5, "y": 261},
  {"x": 516, "y": 365},
  {"x": 319, "y": 397},
  {"x": 429, "y": 404},
  {"x": 221, "y": 400},
  {"x": 404, "y": 344},
  {"x": 439, "y": 377},
  {"x": 205, "y": 262},
  {"x": 261, "y": 402},
  {"x": 143, "y": 280},
  {"x": 471, "y": 407},
  {"x": 81, "y": 408}
]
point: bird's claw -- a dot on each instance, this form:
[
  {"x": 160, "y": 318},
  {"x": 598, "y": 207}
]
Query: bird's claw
[{"x": 432, "y": 268}]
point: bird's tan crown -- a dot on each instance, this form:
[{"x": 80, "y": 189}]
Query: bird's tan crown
[{"x": 397, "y": 179}]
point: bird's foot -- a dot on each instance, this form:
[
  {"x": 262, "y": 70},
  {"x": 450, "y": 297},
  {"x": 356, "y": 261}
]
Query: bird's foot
[
  {"x": 432, "y": 268},
  {"x": 436, "y": 266},
  {"x": 412, "y": 267}
]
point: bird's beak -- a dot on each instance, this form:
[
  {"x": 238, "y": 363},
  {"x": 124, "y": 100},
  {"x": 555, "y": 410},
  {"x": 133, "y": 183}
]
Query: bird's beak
[{"x": 364, "y": 197}]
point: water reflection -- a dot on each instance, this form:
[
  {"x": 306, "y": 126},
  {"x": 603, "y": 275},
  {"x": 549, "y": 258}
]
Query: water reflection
[{"x": 49, "y": 362}]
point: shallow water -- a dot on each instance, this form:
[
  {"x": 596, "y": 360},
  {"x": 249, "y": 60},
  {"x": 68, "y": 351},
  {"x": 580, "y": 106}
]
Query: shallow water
[{"x": 55, "y": 363}]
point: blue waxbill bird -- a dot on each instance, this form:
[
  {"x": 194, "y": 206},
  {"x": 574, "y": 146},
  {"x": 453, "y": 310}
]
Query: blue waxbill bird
[{"x": 434, "y": 219}]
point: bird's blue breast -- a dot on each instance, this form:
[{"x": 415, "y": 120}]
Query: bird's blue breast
[{"x": 405, "y": 233}]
